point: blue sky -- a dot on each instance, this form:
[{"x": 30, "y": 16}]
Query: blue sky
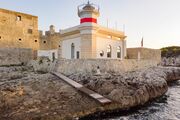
[{"x": 157, "y": 21}]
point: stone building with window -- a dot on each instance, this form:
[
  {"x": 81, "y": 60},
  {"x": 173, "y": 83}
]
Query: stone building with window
[
  {"x": 18, "y": 30},
  {"x": 90, "y": 40},
  {"x": 49, "y": 43}
]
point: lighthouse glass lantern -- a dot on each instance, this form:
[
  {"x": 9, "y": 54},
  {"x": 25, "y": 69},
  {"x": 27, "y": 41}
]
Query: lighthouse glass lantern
[{"x": 88, "y": 13}]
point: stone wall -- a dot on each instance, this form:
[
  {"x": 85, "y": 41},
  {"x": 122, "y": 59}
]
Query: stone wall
[
  {"x": 90, "y": 65},
  {"x": 145, "y": 53},
  {"x": 18, "y": 30},
  {"x": 51, "y": 39},
  {"x": 15, "y": 56}
]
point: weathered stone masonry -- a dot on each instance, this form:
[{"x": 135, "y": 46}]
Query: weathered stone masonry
[{"x": 18, "y": 30}]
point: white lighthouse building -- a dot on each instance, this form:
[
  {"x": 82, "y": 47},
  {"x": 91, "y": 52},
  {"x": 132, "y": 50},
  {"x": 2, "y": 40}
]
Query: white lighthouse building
[{"x": 90, "y": 40}]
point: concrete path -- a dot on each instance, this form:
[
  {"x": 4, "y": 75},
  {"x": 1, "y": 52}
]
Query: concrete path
[{"x": 83, "y": 89}]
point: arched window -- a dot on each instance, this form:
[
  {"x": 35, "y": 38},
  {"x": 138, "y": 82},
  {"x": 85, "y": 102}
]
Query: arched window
[
  {"x": 101, "y": 53},
  {"x": 72, "y": 51},
  {"x": 109, "y": 51},
  {"x": 119, "y": 52}
]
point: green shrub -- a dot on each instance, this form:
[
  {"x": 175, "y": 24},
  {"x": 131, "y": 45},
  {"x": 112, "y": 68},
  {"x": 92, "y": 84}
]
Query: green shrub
[{"x": 172, "y": 51}]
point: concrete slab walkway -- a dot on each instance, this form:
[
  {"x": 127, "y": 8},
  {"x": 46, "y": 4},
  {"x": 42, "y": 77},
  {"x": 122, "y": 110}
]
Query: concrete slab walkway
[{"x": 102, "y": 100}]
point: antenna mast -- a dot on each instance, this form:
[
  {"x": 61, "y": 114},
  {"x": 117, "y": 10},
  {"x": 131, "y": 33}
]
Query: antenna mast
[
  {"x": 107, "y": 23},
  {"x": 124, "y": 28},
  {"x": 116, "y": 24}
]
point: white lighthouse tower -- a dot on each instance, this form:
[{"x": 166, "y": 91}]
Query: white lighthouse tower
[{"x": 88, "y": 14}]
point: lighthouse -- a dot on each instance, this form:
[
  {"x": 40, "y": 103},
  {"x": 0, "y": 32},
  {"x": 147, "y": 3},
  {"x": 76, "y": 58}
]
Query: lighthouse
[
  {"x": 90, "y": 40},
  {"x": 88, "y": 13}
]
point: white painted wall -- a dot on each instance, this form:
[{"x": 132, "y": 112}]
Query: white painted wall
[
  {"x": 48, "y": 53},
  {"x": 89, "y": 15},
  {"x": 102, "y": 44},
  {"x": 125, "y": 48},
  {"x": 66, "y": 47}
]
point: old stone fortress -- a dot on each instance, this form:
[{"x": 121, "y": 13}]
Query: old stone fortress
[{"x": 21, "y": 41}]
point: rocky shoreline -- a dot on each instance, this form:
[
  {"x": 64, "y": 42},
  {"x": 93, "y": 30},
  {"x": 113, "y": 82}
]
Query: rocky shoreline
[{"x": 25, "y": 94}]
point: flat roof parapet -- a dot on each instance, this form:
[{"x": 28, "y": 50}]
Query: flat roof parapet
[{"x": 17, "y": 13}]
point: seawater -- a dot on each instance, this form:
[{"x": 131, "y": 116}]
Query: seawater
[{"x": 166, "y": 107}]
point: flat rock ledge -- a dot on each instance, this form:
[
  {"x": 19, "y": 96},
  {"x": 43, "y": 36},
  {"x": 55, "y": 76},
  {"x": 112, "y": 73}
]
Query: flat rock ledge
[{"x": 26, "y": 95}]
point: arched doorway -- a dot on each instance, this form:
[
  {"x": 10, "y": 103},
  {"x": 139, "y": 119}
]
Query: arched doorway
[
  {"x": 109, "y": 50},
  {"x": 119, "y": 52},
  {"x": 72, "y": 51}
]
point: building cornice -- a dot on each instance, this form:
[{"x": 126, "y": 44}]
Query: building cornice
[{"x": 91, "y": 26}]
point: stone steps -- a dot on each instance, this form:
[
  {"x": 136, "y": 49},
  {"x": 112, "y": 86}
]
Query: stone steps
[{"x": 102, "y": 100}]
